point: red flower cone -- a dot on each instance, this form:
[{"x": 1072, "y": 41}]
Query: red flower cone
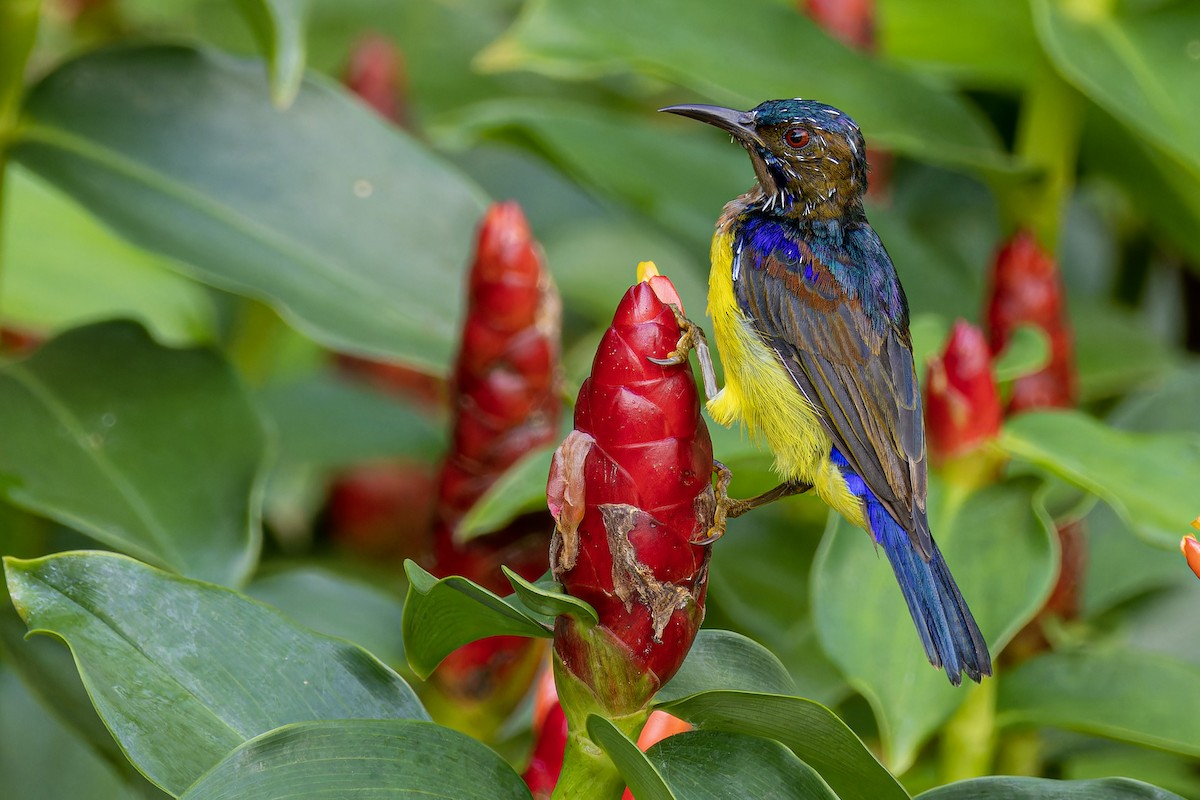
[
  {"x": 376, "y": 73},
  {"x": 506, "y": 403},
  {"x": 962, "y": 405}
]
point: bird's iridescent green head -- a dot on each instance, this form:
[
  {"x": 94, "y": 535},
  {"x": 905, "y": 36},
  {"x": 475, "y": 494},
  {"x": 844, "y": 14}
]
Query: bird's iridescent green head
[{"x": 809, "y": 157}]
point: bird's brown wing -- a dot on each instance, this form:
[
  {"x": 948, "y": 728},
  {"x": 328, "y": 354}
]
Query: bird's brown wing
[{"x": 861, "y": 379}]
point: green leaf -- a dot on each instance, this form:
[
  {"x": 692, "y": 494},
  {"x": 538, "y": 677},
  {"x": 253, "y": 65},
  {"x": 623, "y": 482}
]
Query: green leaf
[
  {"x": 364, "y": 759},
  {"x": 1027, "y": 352},
  {"x": 442, "y": 615},
  {"x": 337, "y": 605},
  {"x": 752, "y": 51},
  {"x": 278, "y": 26},
  {"x": 974, "y": 43},
  {"x": 153, "y": 451},
  {"x": 548, "y": 598},
  {"x": 724, "y": 660},
  {"x": 644, "y": 780},
  {"x": 1150, "y": 479},
  {"x": 42, "y": 758},
  {"x": 1009, "y": 788},
  {"x": 750, "y": 767},
  {"x": 1113, "y": 351},
  {"x": 62, "y": 268},
  {"x": 1135, "y": 65},
  {"x": 808, "y": 729},
  {"x": 520, "y": 490},
  {"x": 361, "y": 245},
  {"x": 330, "y": 421},
  {"x": 1000, "y": 546},
  {"x": 157, "y": 653},
  {"x": 1090, "y": 692}
]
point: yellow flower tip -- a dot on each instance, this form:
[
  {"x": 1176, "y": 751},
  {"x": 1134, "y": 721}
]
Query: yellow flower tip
[
  {"x": 1196, "y": 523},
  {"x": 646, "y": 270}
]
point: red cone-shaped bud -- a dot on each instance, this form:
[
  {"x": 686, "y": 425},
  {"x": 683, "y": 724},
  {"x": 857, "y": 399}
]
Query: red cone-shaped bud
[
  {"x": 1026, "y": 288},
  {"x": 506, "y": 404},
  {"x": 851, "y": 21},
  {"x": 962, "y": 406},
  {"x": 1191, "y": 549},
  {"x": 376, "y": 73},
  {"x": 632, "y": 495}
]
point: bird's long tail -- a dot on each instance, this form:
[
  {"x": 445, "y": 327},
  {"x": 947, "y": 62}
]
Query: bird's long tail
[{"x": 952, "y": 639}]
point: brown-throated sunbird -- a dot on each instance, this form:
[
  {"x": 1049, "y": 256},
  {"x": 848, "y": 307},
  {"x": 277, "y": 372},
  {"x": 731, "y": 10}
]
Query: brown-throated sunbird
[{"x": 812, "y": 326}]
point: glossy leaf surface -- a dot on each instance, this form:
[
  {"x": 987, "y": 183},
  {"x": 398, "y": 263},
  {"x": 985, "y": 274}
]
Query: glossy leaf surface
[
  {"x": 155, "y": 452},
  {"x": 360, "y": 245},
  {"x": 1010, "y": 788},
  {"x": 364, "y": 759},
  {"x": 157, "y": 652}
]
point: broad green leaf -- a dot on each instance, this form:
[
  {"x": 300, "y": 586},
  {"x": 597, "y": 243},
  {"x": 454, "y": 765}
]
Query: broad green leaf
[
  {"x": 1113, "y": 351},
  {"x": 330, "y": 421},
  {"x": 750, "y": 767},
  {"x": 1001, "y": 548},
  {"x": 1150, "y": 479},
  {"x": 442, "y": 615},
  {"x": 1010, "y": 788},
  {"x": 1168, "y": 406},
  {"x": 1121, "y": 566},
  {"x": 278, "y": 26},
  {"x": 1091, "y": 692},
  {"x": 724, "y": 660},
  {"x": 520, "y": 490},
  {"x": 974, "y": 43},
  {"x": 808, "y": 729},
  {"x": 1027, "y": 352},
  {"x": 155, "y": 452},
  {"x": 1136, "y": 64},
  {"x": 41, "y": 758},
  {"x": 337, "y": 605},
  {"x": 62, "y": 268},
  {"x": 1169, "y": 771},
  {"x": 182, "y": 672},
  {"x": 549, "y": 598},
  {"x": 363, "y": 759},
  {"x": 644, "y": 780},
  {"x": 753, "y": 51},
  {"x": 353, "y": 232}
]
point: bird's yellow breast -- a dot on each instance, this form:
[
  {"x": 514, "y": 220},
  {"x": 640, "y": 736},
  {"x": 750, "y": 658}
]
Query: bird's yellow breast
[{"x": 761, "y": 394}]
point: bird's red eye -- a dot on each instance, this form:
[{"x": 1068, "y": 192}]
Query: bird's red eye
[{"x": 796, "y": 137}]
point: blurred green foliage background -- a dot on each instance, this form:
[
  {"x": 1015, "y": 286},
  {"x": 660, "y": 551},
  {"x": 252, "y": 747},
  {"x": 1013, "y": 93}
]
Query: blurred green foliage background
[{"x": 153, "y": 172}]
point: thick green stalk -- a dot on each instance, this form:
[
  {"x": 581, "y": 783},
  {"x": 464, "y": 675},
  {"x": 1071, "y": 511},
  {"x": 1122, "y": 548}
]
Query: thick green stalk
[
  {"x": 1048, "y": 140},
  {"x": 18, "y": 29},
  {"x": 969, "y": 737},
  {"x": 587, "y": 772}
]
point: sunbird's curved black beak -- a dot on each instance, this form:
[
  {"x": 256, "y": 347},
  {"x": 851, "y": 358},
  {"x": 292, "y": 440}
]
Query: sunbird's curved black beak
[{"x": 738, "y": 123}]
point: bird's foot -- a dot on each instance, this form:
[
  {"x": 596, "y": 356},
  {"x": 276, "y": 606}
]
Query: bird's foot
[
  {"x": 727, "y": 507},
  {"x": 691, "y": 338}
]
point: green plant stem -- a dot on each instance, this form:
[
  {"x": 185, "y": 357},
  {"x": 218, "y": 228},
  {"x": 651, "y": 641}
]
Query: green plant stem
[
  {"x": 1047, "y": 139},
  {"x": 1020, "y": 753},
  {"x": 969, "y": 737},
  {"x": 18, "y": 29}
]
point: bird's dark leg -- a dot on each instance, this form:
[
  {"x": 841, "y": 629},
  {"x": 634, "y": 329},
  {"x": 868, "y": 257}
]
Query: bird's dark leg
[
  {"x": 692, "y": 338},
  {"x": 728, "y": 507}
]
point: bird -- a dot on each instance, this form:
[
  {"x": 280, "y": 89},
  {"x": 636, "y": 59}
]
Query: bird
[{"x": 811, "y": 323}]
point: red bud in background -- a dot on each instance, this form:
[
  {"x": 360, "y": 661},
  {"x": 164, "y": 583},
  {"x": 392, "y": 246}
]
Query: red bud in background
[
  {"x": 549, "y": 745},
  {"x": 1026, "y": 288},
  {"x": 375, "y": 72},
  {"x": 506, "y": 403},
  {"x": 962, "y": 406},
  {"x": 383, "y": 509},
  {"x": 631, "y": 493}
]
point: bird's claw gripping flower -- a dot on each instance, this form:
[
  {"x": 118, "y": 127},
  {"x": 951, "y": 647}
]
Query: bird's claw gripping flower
[{"x": 631, "y": 493}]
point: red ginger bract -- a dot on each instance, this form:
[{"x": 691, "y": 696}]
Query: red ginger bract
[
  {"x": 631, "y": 492},
  {"x": 506, "y": 404},
  {"x": 1026, "y": 288},
  {"x": 962, "y": 405}
]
